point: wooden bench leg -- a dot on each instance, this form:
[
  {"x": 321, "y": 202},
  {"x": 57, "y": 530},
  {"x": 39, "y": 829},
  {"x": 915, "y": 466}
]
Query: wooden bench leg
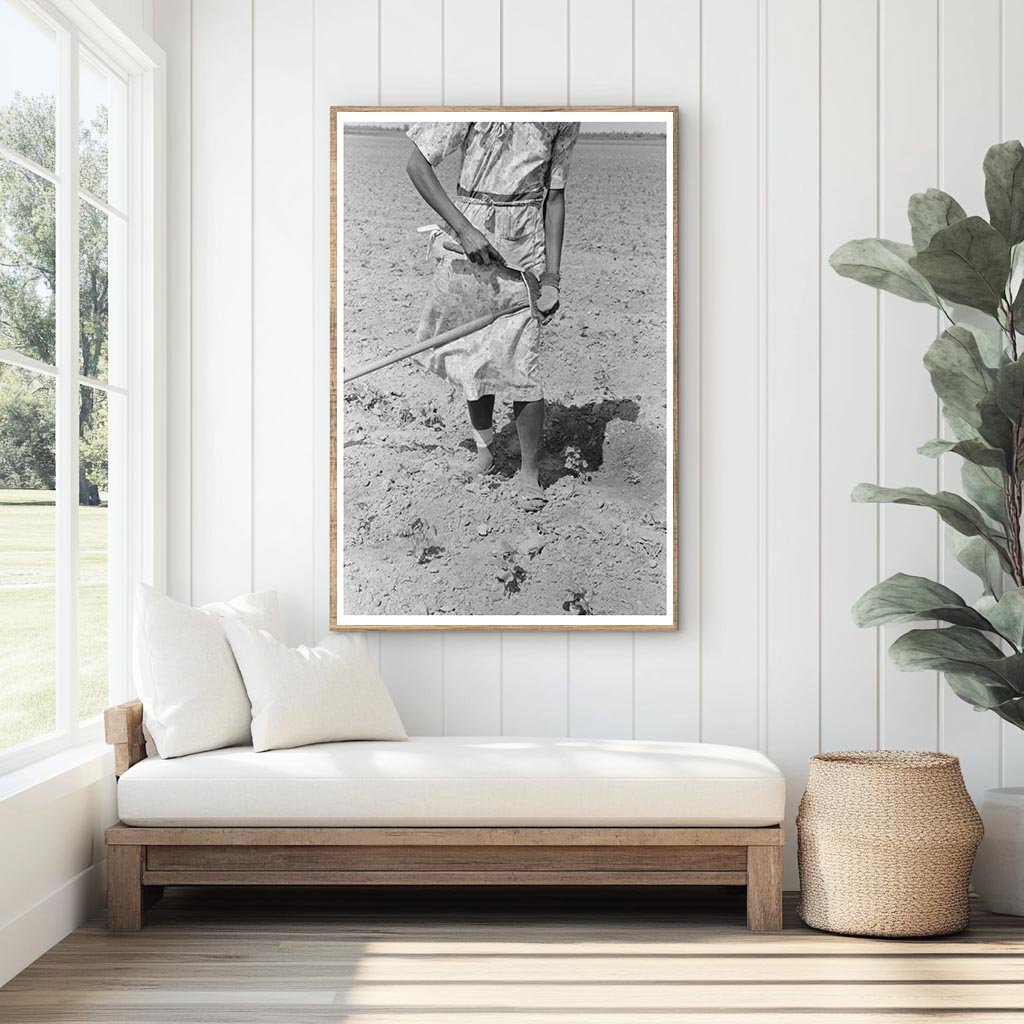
[
  {"x": 125, "y": 896},
  {"x": 764, "y": 888}
]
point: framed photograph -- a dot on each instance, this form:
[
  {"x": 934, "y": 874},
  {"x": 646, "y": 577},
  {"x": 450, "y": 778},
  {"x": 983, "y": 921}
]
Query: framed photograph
[{"x": 503, "y": 368}]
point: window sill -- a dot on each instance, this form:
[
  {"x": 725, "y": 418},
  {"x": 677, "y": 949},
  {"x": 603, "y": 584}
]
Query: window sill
[{"x": 52, "y": 777}]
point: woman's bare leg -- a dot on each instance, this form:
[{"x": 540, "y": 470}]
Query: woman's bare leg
[
  {"x": 481, "y": 416},
  {"x": 530, "y": 425}
]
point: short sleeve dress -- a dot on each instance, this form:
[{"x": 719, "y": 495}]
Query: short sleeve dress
[{"x": 507, "y": 168}]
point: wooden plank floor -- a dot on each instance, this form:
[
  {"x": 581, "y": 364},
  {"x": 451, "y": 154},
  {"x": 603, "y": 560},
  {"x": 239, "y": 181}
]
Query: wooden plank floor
[{"x": 219, "y": 956}]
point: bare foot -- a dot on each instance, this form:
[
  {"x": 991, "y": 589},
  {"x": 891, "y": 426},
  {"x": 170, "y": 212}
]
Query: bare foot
[
  {"x": 484, "y": 461},
  {"x": 530, "y": 493}
]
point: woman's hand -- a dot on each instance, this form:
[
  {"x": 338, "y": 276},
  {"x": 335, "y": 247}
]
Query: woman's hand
[
  {"x": 474, "y": 243},
  {"x": 476, "y": 247},
  {"x": 550, "y": 298}
]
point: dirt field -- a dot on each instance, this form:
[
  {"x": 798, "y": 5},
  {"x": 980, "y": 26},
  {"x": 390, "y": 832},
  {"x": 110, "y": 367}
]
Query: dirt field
[{"x": 419, "y": 535}]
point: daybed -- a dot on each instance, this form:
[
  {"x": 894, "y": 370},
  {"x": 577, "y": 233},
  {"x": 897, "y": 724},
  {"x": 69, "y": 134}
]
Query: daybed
[{"x": 444, "y": 811}]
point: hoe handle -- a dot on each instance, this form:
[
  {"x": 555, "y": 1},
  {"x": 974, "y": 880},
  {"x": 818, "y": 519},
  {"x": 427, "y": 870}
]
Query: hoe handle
[{"x": 436, "y": 342}]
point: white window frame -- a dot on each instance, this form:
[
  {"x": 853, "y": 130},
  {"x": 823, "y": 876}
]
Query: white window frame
[{"x": 140, "y": 63}]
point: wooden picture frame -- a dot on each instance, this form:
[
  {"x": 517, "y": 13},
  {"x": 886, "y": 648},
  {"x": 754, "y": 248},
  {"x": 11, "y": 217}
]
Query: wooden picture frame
[{"x": 575, "y": 614}]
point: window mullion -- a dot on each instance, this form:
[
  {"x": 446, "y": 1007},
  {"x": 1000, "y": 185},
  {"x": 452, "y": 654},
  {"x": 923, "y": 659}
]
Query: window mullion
[{"x": 67, "y": 386}]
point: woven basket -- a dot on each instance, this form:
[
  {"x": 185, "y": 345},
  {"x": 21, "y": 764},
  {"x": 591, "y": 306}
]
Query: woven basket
[{"x": 886, "y": 840}]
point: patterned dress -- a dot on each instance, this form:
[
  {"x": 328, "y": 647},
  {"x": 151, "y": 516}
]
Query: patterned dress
[{"x": 507, "y": 168}]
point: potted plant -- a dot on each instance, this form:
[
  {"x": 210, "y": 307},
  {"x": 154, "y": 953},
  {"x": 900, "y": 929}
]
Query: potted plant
[{"x": 977, "y": 372}]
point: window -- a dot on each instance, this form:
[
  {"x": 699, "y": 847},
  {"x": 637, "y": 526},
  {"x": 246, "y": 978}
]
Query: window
[{"x": 76, "y": 339}]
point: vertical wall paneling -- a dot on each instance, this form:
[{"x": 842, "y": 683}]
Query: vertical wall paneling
[
  {"x": 968, "y": 125},
  {"x": 345, "y": 61},
  {"x": 1012, "y": 127},
  {"x": 600, "y": 72},
  {"x": 472, "y": 74},
  {"x": 173, "y": 28},
  {"x": 411, "y": 58},
  {"x": 221, "y": 367},
  {"x": 849, "y": 369},
  {"x": 472, "y": 684},
  {"x": 792, "y": 415},
  {"x": 666, "y": 666},
  {"x": 909, "y": 413},
  {"x": 729, "y": 358},
  {"x": 535, "y": 69},
  {"x": 283, "y": 338},
  {"x": 803, "y": 125},
  {"x": 534, "y": 696},
  {"x": 1007, "y": 53},
  {"x": 601, "y": 685},
  {"x": 600, "y": 52},
  {"x": 534, "y": 52},
  {"x": 472, "y": 52},
  {"x": 414, "y": 670}
]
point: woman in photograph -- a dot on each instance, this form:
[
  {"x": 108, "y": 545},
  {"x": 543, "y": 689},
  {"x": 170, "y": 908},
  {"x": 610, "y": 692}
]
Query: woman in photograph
[{"x": 509, "y": 210}]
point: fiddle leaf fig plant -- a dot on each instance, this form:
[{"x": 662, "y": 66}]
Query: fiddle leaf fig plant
[{"x": 977, "y": 373}]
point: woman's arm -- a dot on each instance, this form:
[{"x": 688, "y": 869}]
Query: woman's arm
[
  {"x": 474, "y": 243},
  {"x": 554, "y": 229}
]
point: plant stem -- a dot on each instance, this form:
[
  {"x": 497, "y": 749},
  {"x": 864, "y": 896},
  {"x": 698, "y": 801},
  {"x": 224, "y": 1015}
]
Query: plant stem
[
  {"x": 1012, "y": 495},
  {"x": 1013, "y": 511}
]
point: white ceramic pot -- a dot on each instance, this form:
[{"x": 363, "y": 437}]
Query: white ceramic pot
[{"x": 999, "y": 866}]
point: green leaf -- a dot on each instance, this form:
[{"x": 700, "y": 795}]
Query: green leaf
[
  {"x": 967, "y": 263},
  {"x": 984, "y": 486},
  {"x": 1006, "y": 614},
  {"x": 963, "y": 652},
  {"x": 990, "y": 345},
  {"x": 1004, "y": 189},
  {"x": 982, "y": 693},
  {"x": 883, "y": 264},
  {"x": 1009, "y": 390},
  {"x": 1011, "y": 711},
  {"x": 996, "y": 428},
  {"x": 943, "y": 650},
  {"x": 929, "y": 212},
  {"x": 971, "y": 450},
  {"x": 958, "y": 372},
  {"x": 952, "y": 509},
  {"x": 903, "y": 598},
  {"x": 976, "y": 555},
  {"x": 1015, "y": 285},
  {"x": 1016, "y": 308},
  {"x": 961, "y": 429}
]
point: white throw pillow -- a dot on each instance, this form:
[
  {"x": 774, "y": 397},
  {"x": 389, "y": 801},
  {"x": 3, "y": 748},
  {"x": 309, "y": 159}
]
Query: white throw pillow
[
  {"x": 309, "y": 694},
  {"x": 192, "y": 693}
]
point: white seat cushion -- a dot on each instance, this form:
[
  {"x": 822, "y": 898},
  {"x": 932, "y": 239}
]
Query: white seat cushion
[{"x": 458, "y": 780}]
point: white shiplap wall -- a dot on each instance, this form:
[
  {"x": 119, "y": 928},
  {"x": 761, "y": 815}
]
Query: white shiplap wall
[{"x": 804, "y": 123}]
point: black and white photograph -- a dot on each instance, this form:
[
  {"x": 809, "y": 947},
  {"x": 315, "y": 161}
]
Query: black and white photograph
[{"x": 504, "y": 351}]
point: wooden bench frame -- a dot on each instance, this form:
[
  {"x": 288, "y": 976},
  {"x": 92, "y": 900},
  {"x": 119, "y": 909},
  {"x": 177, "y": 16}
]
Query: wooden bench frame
[{"x": 142, "y": 860}]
